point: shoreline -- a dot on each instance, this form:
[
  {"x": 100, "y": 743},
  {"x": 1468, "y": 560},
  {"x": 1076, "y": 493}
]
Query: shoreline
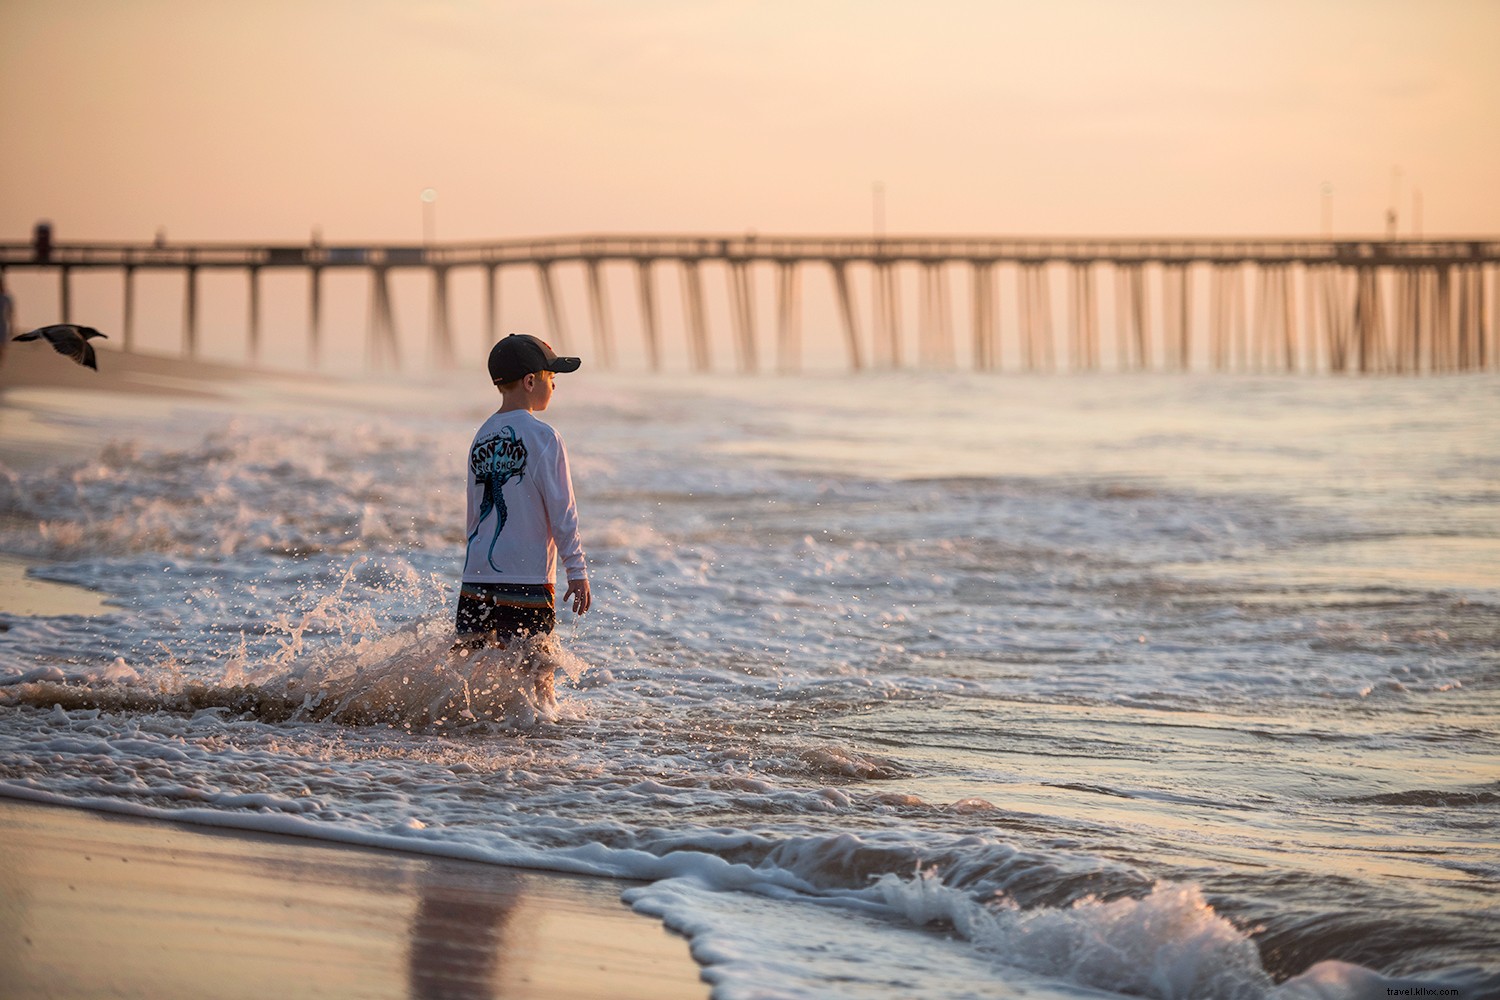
[
  {"x": 26, "y": 596},
  {"x": 45, "y": 403},
  {"x": 97, "y": 903},
  {"x": 35, "y": 398}
]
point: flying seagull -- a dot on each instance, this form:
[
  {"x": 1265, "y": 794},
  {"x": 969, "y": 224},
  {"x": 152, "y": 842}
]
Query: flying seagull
[{"x": 70, "y": 339}]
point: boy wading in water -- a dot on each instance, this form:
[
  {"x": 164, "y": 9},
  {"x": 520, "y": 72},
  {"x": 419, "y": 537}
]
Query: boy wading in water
[{"x": 522, "y": 515}]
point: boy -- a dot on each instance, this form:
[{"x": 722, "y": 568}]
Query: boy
[{"x": 522, "y": 515}]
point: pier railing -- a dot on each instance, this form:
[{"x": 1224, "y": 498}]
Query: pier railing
[{"x": 1368, "y": 305}]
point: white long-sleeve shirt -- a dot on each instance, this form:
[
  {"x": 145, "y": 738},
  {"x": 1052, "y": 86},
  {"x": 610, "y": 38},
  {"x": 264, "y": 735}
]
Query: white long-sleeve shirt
[{"x": 522, "y": 513}]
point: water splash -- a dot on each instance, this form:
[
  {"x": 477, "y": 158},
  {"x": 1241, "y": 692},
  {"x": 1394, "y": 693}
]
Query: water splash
[
  {"x": 335, "y": 662},
  {"x": 1170, "y": 944},
  {"x": 415, "y": 680}
]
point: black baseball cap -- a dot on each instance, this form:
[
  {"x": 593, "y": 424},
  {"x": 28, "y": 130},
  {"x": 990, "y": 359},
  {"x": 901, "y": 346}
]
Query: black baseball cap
[{"x": 520, "y": 354}]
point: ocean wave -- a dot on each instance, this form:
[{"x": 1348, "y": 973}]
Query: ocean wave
[
  {"x": 1450, "y": 798},
  {"x": 1166, "y": 944},
  {"x": 250, "y": 486}
]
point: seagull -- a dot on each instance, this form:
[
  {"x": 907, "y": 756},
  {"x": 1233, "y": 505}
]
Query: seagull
[{"x": 70, "y": 339}]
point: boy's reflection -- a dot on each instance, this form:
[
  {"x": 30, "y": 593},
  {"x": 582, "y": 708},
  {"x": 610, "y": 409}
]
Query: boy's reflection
[{"x": 458, "y": 933}]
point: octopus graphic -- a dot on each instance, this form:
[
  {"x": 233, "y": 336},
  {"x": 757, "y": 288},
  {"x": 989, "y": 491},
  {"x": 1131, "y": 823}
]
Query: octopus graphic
[{"x": 494, "y": 462}]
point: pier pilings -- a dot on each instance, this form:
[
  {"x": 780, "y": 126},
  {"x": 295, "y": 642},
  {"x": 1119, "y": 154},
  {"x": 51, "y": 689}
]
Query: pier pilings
[{"x": 1367, "y": 306}]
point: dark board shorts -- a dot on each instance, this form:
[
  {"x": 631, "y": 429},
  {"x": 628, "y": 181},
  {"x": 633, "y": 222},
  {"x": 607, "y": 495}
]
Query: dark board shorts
[{"x": 506, "y": 609}]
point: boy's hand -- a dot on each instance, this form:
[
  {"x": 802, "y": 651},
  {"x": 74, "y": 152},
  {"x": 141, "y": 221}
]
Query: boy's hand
[{"x": 578, "y": 590}]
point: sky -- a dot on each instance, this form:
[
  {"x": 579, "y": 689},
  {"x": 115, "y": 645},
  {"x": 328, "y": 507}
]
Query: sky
[{"x": 262, "y": 121}]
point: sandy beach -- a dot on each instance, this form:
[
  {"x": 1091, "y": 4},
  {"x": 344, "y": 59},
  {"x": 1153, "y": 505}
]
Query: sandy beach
[{"x": 94, "y": 904}]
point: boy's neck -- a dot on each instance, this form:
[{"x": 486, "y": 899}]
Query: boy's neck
[
  {"x": 520, "y": 399},
  {"x": 531, "y": 393}
]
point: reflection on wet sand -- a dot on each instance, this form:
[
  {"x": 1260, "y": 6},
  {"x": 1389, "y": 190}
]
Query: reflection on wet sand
[
  {"x": 97, "y": 905},
  {"x": 458, "y": 935}
]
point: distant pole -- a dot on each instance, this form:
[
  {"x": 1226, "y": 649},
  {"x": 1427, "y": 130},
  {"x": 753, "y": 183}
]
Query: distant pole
[
  {"x": 128, "y": 320},
  {"x": 429, "y": 215},
  {"x": 253, "y": 319},
  {"x": 492, "y": 304},
  {"x": 190, "y": 313},
  {"x": 877, "y": 195},
  {"x": 1327, "y": 210},
  {"x": 65, "y": 293}
]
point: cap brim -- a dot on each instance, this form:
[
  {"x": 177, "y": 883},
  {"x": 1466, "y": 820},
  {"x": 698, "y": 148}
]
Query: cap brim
[{"x": 564, "y": 364}]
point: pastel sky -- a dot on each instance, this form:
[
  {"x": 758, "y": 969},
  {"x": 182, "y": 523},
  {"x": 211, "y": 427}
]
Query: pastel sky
[{"x": 259, "y": 121}]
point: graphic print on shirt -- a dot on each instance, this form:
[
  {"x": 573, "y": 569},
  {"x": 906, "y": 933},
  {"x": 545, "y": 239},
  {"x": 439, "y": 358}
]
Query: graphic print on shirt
[{"x": 494, "y": 462}]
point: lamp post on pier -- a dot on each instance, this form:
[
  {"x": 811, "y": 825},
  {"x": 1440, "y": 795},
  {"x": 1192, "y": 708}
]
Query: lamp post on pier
[{"x": 429, "y": 215}]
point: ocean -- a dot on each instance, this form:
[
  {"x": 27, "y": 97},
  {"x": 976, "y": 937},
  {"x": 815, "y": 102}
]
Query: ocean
[{"x": 896, "y": 685}]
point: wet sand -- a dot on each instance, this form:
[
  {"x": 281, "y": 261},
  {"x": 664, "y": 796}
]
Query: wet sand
[
  {"x": 21, "y": 594},
  {"x": 94, "y": 904},
  {"x": 99, "y": 905}
]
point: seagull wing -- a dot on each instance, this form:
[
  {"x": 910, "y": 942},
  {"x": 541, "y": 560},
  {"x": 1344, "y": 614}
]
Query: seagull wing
[
  {"x": 66, "y": 340},
  {"x": 51, "y": 333},
  {"x": 69, "y": 340}
]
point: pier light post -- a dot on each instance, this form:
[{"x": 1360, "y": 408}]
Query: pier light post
[{"x": 429, "y": 215}]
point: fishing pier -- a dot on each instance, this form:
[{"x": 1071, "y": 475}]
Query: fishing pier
[{"x": 1038, "y": 304}]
